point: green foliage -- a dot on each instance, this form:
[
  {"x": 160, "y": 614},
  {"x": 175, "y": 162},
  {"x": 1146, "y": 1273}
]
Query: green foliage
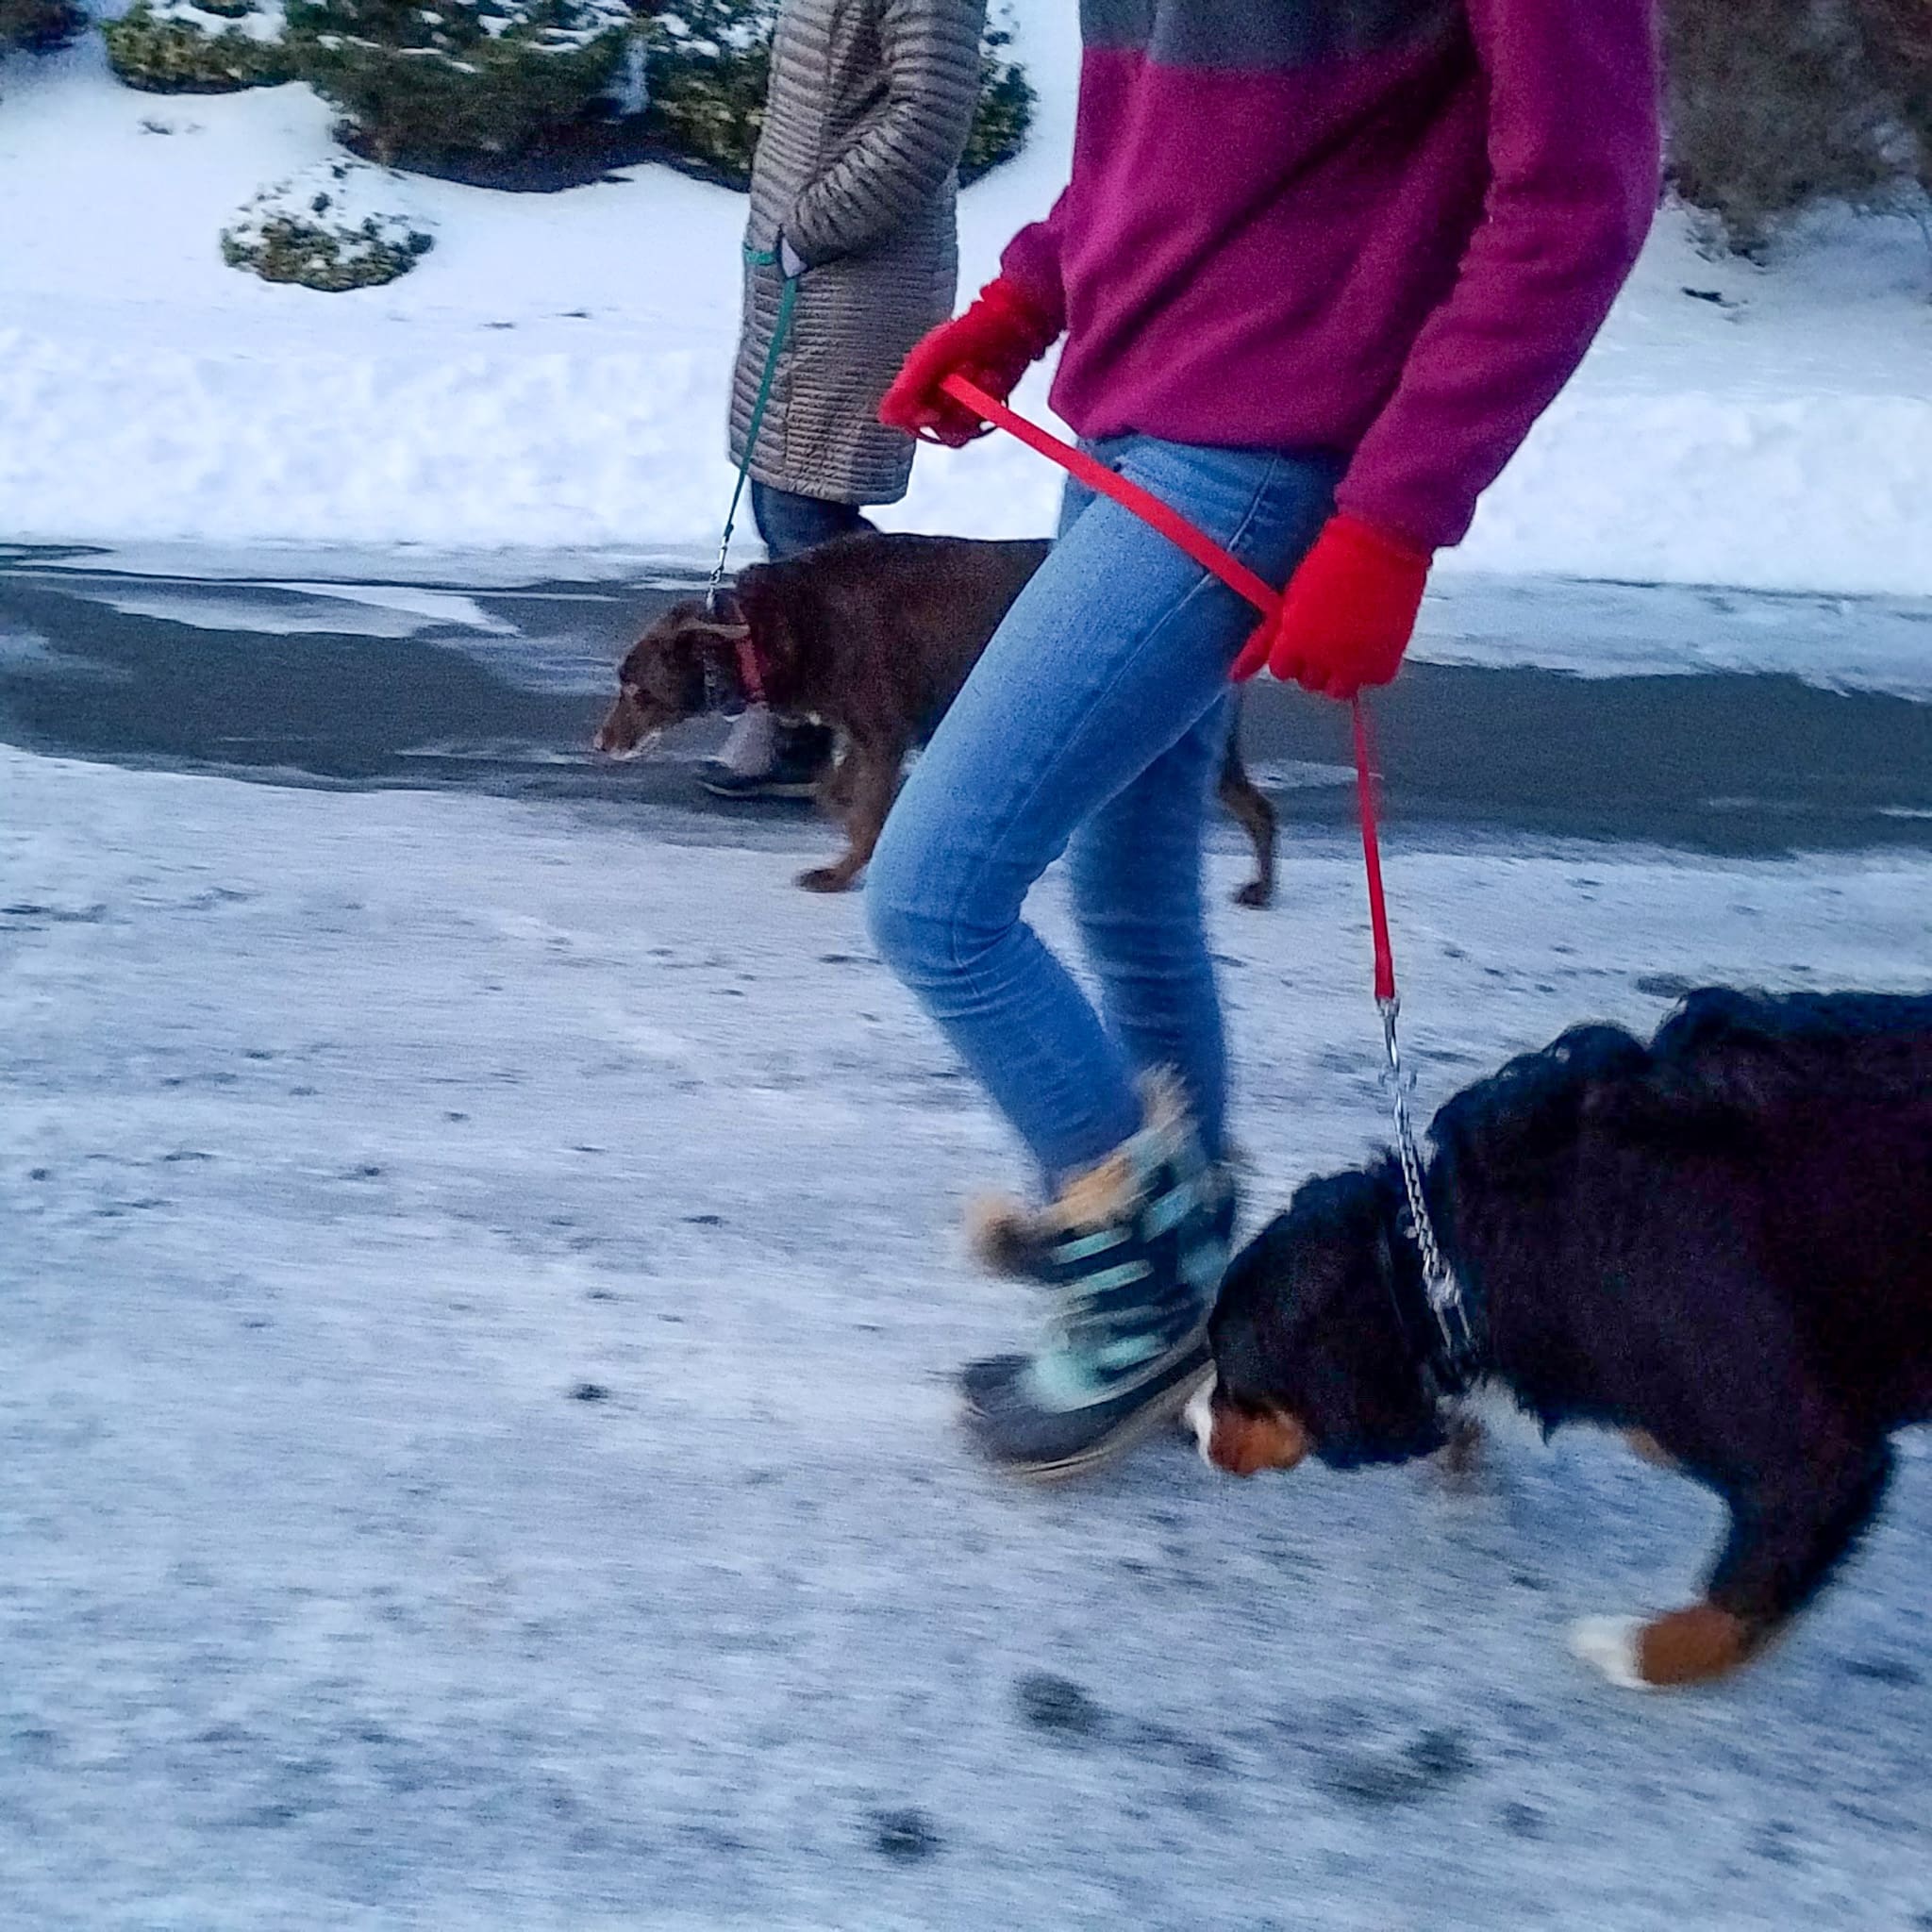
[
  {"x": 325, "y": 229},
  {"x": 707, "y": 66},
  {"x": 421, "y": 80},
  {"x": 1005, "y": 115},
  {"x": 39, "y": 26},
  {"x": 196, "y": 46},
  {"x": 1776, "y": 106},
  {"x": 709, "y": 63}
]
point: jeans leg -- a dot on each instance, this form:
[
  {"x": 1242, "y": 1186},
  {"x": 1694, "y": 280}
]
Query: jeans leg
[
  {"x": 1136, "y": 871},
  {"x": 1113, "y": 655},
  {"x": 790, "y": 522}
]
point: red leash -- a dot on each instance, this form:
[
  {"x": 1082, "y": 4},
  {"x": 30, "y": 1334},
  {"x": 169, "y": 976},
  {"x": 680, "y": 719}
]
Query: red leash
[
  {"x": 1164, "y": 518},
  {"x": 1371, "y": 858},
  {"x": 1462, "y": 1350}
]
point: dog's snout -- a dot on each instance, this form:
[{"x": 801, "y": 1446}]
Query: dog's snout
[
  {"x": 1239, "y": 1442},
  {"x": 620, "y": 733}
]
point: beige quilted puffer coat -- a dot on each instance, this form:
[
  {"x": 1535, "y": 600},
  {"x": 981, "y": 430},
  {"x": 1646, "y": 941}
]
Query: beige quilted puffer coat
[{"x": 869, "y": 108}]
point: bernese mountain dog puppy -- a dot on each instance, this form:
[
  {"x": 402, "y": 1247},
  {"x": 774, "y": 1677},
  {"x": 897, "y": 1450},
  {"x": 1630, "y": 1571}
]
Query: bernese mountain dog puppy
[{"x": 1720, "y": 1242}]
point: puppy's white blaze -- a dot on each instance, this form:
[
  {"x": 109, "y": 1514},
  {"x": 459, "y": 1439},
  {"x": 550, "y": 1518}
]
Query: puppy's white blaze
[
  {"x": 1610, "y": 1644},
  {"x": 1200, "y": 1417}
]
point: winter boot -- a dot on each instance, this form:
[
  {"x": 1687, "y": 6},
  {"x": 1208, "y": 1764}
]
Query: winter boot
[
  {"x": 782, "y": 760},
  {"x": 1133, "y": 1251},
  {"x": 982, "y": 1382}
]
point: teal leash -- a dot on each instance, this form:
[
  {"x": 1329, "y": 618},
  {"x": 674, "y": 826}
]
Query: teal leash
[{"x": 788, "y": 301}]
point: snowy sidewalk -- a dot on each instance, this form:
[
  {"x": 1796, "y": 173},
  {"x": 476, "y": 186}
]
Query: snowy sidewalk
[{"x": 473, "y": 1444}]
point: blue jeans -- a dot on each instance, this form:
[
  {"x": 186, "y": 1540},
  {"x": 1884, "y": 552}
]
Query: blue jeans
[
  {"x": 790, "y": 522},
  {"x": 1094, "y": 726}
]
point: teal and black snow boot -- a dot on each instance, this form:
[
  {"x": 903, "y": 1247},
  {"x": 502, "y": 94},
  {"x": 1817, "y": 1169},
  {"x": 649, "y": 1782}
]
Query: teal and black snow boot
[{"x": 1132, "y": 1252}]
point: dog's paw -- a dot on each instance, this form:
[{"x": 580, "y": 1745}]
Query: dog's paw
[
  {"x": 1462, "y": 1465},
  {"x": 827, "y": 878},
  {"x": 1256, "y": 893},
  {"x": 1614, "y": 1645},
  {"x": 1694, "y": 1645}
]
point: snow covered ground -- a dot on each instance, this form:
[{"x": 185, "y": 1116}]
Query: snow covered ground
[
  {"x": 474, "y": 1444},
  {"x": 553, "y": 375},
  {"x": 477, "y": 1275}
]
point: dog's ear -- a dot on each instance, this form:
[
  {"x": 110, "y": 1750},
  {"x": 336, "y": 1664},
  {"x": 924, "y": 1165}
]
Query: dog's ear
[
  {"x": 704, "y": 632},
  {"x": 664, "y": 673},
  {"x": 704, "y": 639},
  {"x": 1663, "y": 1109}
]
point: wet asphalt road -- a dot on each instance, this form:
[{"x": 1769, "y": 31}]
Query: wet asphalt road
[{"x": 313, "y": 678}]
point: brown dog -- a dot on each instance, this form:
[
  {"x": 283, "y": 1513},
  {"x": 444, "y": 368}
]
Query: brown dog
[{"x": 875, "y": 635}]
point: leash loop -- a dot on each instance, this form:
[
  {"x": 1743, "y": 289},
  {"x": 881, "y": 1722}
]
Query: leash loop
[{"x": 1447, "y": 1303}]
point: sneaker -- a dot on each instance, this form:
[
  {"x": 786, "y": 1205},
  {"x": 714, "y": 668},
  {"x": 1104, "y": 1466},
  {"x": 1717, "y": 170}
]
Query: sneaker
[
  {"x": 1133, "y": 1253},
  {"x": 802, "y": 755}
]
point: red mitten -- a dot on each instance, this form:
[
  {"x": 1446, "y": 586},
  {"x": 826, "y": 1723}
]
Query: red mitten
[
  {"x": 993, "y": 345},
  {"x": 1347, "y": 615}
]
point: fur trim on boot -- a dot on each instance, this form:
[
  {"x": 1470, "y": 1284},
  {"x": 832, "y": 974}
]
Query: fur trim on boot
[{"x": 1011, "y": 1238}]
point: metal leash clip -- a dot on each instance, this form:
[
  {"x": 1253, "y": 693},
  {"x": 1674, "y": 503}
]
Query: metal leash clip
[{"x": 1440, "y": 1284}]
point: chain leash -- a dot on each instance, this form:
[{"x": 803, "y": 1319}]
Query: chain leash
[{"x": 1439, "y": 1286}]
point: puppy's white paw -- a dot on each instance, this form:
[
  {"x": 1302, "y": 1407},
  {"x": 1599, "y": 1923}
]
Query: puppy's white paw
[
  {"x": 1199, "y": 1415},
  {"x": 648, "y": 742},
  {"x": 1613, "y": 1646}
]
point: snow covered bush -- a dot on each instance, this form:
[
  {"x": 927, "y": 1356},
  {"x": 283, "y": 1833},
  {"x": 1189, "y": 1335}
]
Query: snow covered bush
[
  {"x": 1898, "y": 43},
  {"x": 1006, "y": 107},
  {"x": 421, "y": 80},
  {"x": 707, "y": 66},
  {"x": 1776, "y": 106},
  {"x": 329, "y": 227},
  {"x": 39, "y": 26},
  {"x": 197, "y": 46}
]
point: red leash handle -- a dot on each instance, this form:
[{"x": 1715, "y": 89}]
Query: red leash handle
[
  {"x": 1130, "y": 496},
  {"x": 1210, "y": 555}
]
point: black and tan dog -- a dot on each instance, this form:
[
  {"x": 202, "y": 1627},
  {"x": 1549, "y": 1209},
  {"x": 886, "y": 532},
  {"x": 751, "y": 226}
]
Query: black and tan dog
[
  {"x": 874, "y": 635},
  {"x": 1721, "y": 1243}
]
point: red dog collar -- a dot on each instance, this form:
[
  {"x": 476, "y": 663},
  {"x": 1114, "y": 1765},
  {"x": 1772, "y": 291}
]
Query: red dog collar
[{"x": 750, "y": 674}]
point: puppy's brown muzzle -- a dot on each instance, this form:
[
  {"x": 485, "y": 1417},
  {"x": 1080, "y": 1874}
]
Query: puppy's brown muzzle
[
  {"x": 1241, "y": 1441},
  {"x": 622, "y": 731}
]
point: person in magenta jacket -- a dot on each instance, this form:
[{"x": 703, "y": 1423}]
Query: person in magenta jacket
[{"x": 1319, "y": 266}]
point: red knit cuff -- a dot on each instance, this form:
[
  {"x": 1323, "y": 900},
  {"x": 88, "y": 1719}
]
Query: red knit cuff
[
  {"x": 1012, "y": 301},
  {"x": 1368, "y": 536}
]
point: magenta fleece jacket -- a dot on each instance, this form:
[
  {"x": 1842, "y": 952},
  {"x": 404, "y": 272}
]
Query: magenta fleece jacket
[{"x": 1388, "y": 229}]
